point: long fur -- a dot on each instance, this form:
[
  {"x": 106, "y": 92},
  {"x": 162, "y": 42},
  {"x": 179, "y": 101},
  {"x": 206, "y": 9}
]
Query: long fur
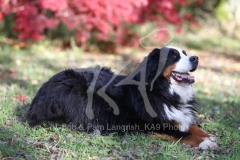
[{"x": 63, "y": 99}]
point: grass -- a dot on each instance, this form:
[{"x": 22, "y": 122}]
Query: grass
[{"x": 23, "y": 71}]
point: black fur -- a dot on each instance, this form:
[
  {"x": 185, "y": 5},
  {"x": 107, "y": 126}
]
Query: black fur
[{"x": 63, "y": 99}]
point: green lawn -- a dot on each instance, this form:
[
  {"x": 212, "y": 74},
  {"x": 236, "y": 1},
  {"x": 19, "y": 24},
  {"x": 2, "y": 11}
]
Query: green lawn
[{"x": 23, "y": 71}]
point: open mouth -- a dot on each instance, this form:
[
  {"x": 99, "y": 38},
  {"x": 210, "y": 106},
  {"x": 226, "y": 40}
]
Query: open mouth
[{"x": 182, "y": 77}]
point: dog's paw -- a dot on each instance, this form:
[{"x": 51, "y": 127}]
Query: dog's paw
[
  {"x": 209, "y": 143},
  {"x": 213, "y": 139}
]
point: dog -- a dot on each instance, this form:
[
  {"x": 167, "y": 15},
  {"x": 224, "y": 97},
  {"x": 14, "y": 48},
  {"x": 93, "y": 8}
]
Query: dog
[{"x": 156, "y": 97}]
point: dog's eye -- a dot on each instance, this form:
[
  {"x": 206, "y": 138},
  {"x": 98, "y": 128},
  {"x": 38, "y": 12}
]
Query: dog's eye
[{"x": 175, "y": 56}]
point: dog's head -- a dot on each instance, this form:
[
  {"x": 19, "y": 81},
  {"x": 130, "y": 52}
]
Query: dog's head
[{"x": 173, "y": 64}]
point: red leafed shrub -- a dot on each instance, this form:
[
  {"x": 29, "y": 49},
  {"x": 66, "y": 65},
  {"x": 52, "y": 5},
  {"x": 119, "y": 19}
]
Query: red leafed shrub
[
  {"x": 103, "y": 20},
  {"x": 30, "y": 23},
  {"x": 21, "y": 97},
  {"x": 53, "y": 5}
]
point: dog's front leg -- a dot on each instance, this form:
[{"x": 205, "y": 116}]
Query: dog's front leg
[
  {"x": 197, "y": 138},
  {"x": 200, "y": 138}
]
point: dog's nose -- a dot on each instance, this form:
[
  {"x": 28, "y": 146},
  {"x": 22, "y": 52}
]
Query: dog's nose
[{"x": 193, "y": 59}]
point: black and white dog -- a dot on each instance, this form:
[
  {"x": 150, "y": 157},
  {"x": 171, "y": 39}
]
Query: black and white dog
[{"x": 156, "y": 97}]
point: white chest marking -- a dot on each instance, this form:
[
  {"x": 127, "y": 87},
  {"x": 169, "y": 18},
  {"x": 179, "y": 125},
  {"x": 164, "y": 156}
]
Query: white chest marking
[
  {"x": 183, "y": 116},
  {"x": 185, "y": 91}
]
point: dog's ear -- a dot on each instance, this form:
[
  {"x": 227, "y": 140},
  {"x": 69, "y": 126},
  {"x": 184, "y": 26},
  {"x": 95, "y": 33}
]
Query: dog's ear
[{"x": 152, "y": 65}]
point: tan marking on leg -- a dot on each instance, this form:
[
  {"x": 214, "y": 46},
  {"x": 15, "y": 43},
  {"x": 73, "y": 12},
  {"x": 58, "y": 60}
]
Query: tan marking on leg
[
  {"x": 195, "y": 130},
  {"x": 165, "y": 136},
  {"x": 197, "y": 137},
  {"x": 192, "y": 140}
]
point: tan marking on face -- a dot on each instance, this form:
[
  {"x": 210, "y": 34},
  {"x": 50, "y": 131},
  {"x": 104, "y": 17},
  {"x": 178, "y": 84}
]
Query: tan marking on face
[
  {"x": 168, "y": 71},
  {"x": 176, "y": 52}
]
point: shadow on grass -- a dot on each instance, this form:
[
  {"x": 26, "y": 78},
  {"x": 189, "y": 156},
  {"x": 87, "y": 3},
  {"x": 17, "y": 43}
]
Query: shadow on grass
[
  {"x": 219, "y": 106},
  {"x": 13, "y": 147},
  {"x": 21, "y": 111},
  {"x": 221, "y": 120},
  {"x": 10, "y": 75}
]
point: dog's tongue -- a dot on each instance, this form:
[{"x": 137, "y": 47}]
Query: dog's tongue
[
  {"x": 183, "y": 77},
  {"x": 187, "y": 77}
]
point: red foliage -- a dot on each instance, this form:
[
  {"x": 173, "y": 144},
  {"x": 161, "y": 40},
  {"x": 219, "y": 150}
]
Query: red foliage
[
  {"x": 30, "y": 23},
  {"x": 53, "y": 5},
  {"x": 1, "y": 16},
  {"x": 21, "y": 97},
  {"x": 106, "y": 20}
]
